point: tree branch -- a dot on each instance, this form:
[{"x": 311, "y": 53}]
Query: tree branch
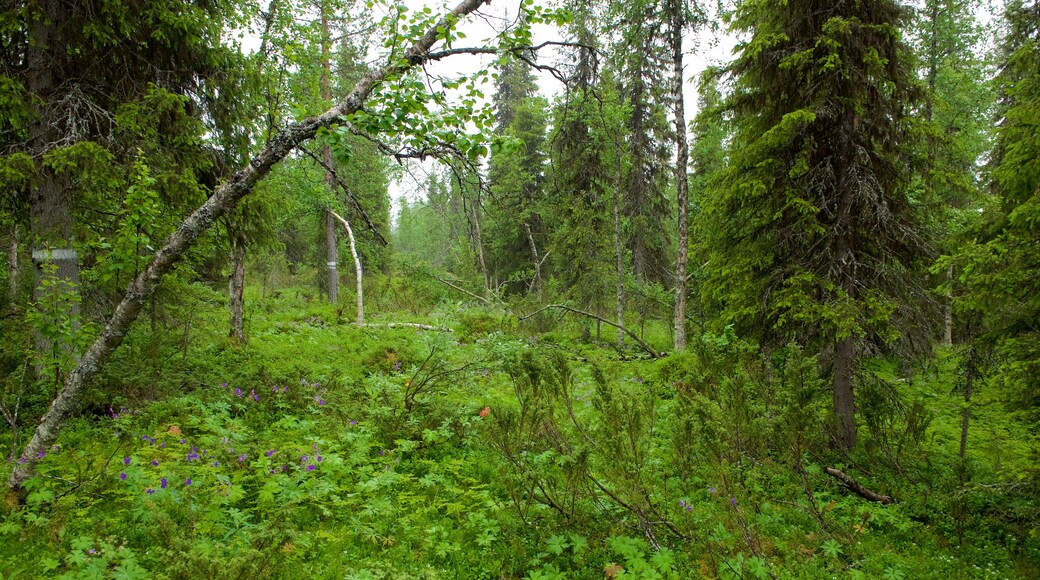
[
  {"x": 856, "y": 488},
  {"x": 634, "y": 336}
]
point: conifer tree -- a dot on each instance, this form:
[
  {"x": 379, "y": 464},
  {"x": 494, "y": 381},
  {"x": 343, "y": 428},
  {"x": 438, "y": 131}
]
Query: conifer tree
[{"x": 813, "y": 235}]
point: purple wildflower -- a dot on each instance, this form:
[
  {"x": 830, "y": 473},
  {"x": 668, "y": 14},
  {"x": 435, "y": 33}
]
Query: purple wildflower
[
  {"x": 126, "y": 461},
  {"x": 91, "y": 551},
  {"x": 271, "y": 452},
  {"x": 303, "y": 459},
  {"x": 353, "y": 422},
  {"x": 23, "y": 460},
  {"x": 711, "y": 490},
  {"x": 162, "y": 483},
  {"x": 162, "y": 445},
  {"x": 252, "y": 393},
  {"x": 318, "y": 459},
  {"x": 733, "y": 501},
  {"x": 41, "y": 455},
  {"x": 155, "y": 463},
  {"x": 223, "y": 384},
  {"x": 238, "y": 392},
  {"x": 310, "y": 467},
  {"x": 187, "y": 481},
  {"x": 242, "y": 457},
  {"x": 183, "y": 441},
  {"x": 122, "y": 476},
  {"x": 192, "y": 456},
  {"x": 149, "y": 491},
  {"x": 216, "y": 464},
  {"x": 397, "y": 366}
]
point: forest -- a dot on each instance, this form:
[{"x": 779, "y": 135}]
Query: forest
[{"x": 520, "y": 289}]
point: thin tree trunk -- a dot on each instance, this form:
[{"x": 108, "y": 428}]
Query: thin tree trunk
[
  {"x": 478, "y": 241},
  {"x": 236, "y": 287},
  {"x": 332, "y": 250},
  {"x": 331, "y": 247},
  {"x": 12, "y": 269},
  {"x": 681, "y": 179},
  {"x": 844, "y": 404},
  {"x": 537, "y": 281},
  {"x": 223, "y": 199},
  {"x": 948, "y": 310},
  {"x": 619, "y": 258},
  {"x": 357, "y": 269},
  {"x": 969, "y": 385}
]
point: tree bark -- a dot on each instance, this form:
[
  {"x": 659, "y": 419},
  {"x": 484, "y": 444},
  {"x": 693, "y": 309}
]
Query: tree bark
[
  {"x": 331, "y": 247},
  {"x": 223, "y": 199},
  {"x": 619, "y": 255},
  {"x": 681, "y": 179},
  {"x": 236, "y": 288},
  {"x": 844, "y": 404}
]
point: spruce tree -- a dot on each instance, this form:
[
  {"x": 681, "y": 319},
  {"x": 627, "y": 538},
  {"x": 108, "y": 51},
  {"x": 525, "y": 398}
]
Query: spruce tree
[{"x": 813, "y": 235}]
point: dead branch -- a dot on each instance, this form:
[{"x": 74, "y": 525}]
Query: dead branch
[
  {"x": 856, "y": 488},
  {"x": 649, "y": 349}
]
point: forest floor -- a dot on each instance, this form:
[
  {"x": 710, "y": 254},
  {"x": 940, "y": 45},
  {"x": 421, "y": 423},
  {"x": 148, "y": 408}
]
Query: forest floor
[{"x": 509, "y": 449}]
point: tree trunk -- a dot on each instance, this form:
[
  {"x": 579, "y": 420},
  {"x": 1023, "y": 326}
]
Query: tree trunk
[
  {"x": 223, "y": 199},
  {"x": 332, "y": 250},
  {"x": 969, "y": 385},
  {"x": 50, "y": 208},
  {"x": 948, "y": 310},
  {"x": 357, "y": 269},
  {"x": 236, "y": 287},
  {"x": 844, "y": 404},
  {"x": 331, "y": 247},
  {"x": 619, "y": 259},
  {"x": 536, "y": 283},
  {"x": 478, "y": 241},
  {"x": 681, "y": 179},
  {"x": 12, "y": 270}
]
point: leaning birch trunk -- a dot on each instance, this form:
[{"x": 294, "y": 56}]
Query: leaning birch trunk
[
  {"x": 357, "y": 268},
  {"x": 223, "y": 199}
]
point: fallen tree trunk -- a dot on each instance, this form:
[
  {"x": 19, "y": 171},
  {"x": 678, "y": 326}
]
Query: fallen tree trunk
[
  {"x": 856, "y": 488},
  {"x": 223, "y": 199},
  {"x": 415, "y": 325}
]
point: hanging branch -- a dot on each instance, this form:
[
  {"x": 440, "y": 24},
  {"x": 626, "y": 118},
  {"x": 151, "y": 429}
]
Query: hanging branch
[
  {"x": 649, "y": 349},
  {"x": 329, "y": 170},
  {"x": 225, "y": 198},
  {"x": 357, "y": 268}
]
